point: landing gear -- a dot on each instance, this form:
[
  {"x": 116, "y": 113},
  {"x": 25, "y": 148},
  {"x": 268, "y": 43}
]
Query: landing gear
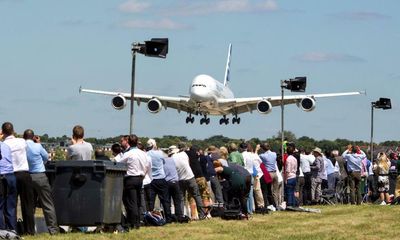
[
  {"x": 190, "y": 119},
  {"x": 205, "y": 120},
  {"x": 235, "y": 120},
  {"x": 224, "y": 120}
]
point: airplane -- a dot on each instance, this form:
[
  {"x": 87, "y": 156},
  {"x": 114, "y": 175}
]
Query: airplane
[{"x": 208, "y": 96}]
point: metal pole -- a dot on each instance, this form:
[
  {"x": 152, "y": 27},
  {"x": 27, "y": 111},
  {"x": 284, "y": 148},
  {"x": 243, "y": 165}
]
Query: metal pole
[
  {"x": 372, "y": 132},
  {"x": 132, "y": 90},
  {"x": 282, "y": 126}
]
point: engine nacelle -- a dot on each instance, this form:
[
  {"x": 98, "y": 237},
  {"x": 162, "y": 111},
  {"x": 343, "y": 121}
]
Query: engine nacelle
[
  {"x": 307, "y": 104},
  {"x": 264, "y": 107},
  {"x": 154, "y": 105},
  {"x": 118, "y": 102}
]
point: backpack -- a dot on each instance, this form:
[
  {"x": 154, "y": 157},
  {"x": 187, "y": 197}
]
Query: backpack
[
  {"x": 154, "y": 218},
  {"x": 232, "y": 211},
  {"x": 9, "y": 234}
]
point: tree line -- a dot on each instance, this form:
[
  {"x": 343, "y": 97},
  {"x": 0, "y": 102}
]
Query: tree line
[{"x": 220, "y": 140}]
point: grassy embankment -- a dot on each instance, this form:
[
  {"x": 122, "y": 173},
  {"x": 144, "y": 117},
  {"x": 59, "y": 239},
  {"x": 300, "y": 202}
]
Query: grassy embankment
[{"x": 335, "y": 222}]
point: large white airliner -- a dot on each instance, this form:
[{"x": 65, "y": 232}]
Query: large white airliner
[{"x": 208, "y": 96}]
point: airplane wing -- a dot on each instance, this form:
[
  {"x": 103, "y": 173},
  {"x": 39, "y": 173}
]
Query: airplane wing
[
  {"x": 242, "y": 105},
  {"x": 181, "y": 103}
]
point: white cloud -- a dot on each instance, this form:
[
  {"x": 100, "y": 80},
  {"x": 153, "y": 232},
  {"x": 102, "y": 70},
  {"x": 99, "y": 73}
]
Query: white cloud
[
  {"x": 134, "y": 6},
  {"x": 223, "y": 6},
  {"x": 163, "y": 24},
  {"x": 362, "y": 16},
  {"x": 328, "y": 57}
]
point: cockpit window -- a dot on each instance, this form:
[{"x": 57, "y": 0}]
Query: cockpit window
[{"x": 198, "y": 85}]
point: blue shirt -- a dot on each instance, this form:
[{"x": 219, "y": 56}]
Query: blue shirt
[
  {"x": 269, "y": 160},
  {"x": 157, "y": 164},
  {"x": 353, "y": 161},
  {"x": 36, "y": 156},
  {"x": 171, "y": 175},
  {"x": 6, "y": 165}
]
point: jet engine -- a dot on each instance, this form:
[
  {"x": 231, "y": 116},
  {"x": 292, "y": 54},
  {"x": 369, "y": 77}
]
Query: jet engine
[
  {"x": 154, "y": 105},
  {"x": 264, "y": 107},
  {"x": 118, "y": 102},
  {"x": 307, "y": 104}
]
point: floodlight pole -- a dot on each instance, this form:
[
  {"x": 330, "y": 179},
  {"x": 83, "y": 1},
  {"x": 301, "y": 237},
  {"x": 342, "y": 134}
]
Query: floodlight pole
[
  {"x": 372, "y": 131},
  {"x": 135, "y": 48},
  {"x": 282, "y": 122}
]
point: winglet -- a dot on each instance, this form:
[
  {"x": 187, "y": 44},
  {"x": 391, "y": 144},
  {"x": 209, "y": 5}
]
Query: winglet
[
  {"x": 364, "y": 92},
  {"x": 228, "y": 63},
  {"x": 80, "y": 89}
]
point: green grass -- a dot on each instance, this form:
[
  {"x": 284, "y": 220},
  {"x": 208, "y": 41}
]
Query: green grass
[{"x": 335, "y": 222}]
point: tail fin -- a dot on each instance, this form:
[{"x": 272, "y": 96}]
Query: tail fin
[{"x": 228, "y": 63}]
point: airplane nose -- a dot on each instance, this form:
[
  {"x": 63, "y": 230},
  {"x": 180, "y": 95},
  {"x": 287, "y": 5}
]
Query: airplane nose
[{"x": 199, "y": 94}]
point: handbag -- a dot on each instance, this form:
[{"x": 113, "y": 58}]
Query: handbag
[{"x": 266, "y": 176}]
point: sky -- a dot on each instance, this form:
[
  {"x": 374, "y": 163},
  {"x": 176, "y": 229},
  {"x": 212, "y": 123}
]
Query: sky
[{"x": 48, "y": 49}]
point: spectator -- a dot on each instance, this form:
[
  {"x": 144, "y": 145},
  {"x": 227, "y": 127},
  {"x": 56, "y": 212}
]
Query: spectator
[
  {"x": 290, "y": 174},
  {"x": 158, "y": 186},
  {"x": 116, "y": 150},
  {"x": 79, "y": 149},
  {"x": 194, "y": 162},
  {"x": 24, "y": 180},
  {"x": 99, "y": 154},
  {"x": 383, "y": 167},
  {"x": 187, "y": 182},
  {"x": 171, "y": 176},
  {"x": 37, "y": 156},
  {"x": 353, "y": 157},
  {"x": 137, "y": 163},
  {"x": 8, "y": 190},
  {"x": 206, "y": 162},
  {"x": 306, "y": 160},
  {"x": 234, "y": 155},
  {"x": 270, "y": 191},
  {"x": 317, "y": 171}
]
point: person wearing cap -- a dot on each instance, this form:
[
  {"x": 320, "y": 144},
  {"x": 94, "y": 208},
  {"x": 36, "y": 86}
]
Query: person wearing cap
[
  {"x": 353, "y": 157},
  {"x": 158, "y": 185},
  {"x": 317, "y": 171},
  {"x": 171, "y": 176},
  {"x": 187, "y": 182}
]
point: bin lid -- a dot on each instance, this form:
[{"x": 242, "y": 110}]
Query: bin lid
[{"x": 106, "y": 164}]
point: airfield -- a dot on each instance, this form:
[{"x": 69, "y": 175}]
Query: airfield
[{"x": 334, "y": 222}]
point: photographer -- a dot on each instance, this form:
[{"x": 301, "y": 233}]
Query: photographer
[{"x": 353, "y": 157}]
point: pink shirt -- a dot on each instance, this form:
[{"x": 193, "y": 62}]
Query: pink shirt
[{"x": 291, "y": 167}]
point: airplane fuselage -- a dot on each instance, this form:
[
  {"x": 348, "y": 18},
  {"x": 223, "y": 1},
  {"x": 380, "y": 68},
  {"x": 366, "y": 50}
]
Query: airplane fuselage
[{"x": 205, "y": 92}]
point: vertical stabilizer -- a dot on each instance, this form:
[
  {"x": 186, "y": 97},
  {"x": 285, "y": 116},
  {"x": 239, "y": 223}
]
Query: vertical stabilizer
[{"x": 227, "y": 69}]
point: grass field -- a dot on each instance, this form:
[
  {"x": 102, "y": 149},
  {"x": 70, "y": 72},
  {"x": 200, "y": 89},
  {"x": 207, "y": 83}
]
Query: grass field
[{"x": 335, "y": 222}]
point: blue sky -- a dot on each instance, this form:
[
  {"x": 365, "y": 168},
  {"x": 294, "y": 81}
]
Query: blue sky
[{"x": 50, "y": 48}]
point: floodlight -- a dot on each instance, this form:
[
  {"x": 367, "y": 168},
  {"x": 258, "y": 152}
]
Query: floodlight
[
  {"x": 156, "y": 47},
  {"x": 298, "y": 84},
  {"x": 383, "y": 103}
]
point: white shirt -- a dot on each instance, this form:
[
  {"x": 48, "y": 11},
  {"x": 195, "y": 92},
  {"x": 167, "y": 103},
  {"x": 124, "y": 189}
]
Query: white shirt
[
  {"x": 256, "y": 162},
  {"x": 183, "y": 169},
  {"x": 148, "y": 177},
  {"x": 137, "y": 162},
  {"x": 248, "y": 161},
  {"x": 18, "y": 153},
  {"x": 306, "y": 161}
]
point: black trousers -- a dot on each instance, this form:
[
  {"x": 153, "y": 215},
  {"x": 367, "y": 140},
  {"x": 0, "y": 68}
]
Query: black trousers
[
  {"x": 266, "y": 190},
  {"x": 175, "y": 193},
  {"x": 26, "y": 194},
  {"x": 132, "y": 200},
  {"x": 307, "y": 188},
  {"x": 160, "y": 187}
]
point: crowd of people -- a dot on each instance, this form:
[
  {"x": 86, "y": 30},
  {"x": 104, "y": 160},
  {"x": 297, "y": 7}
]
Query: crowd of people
[{"x": 256, "y": 177}]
